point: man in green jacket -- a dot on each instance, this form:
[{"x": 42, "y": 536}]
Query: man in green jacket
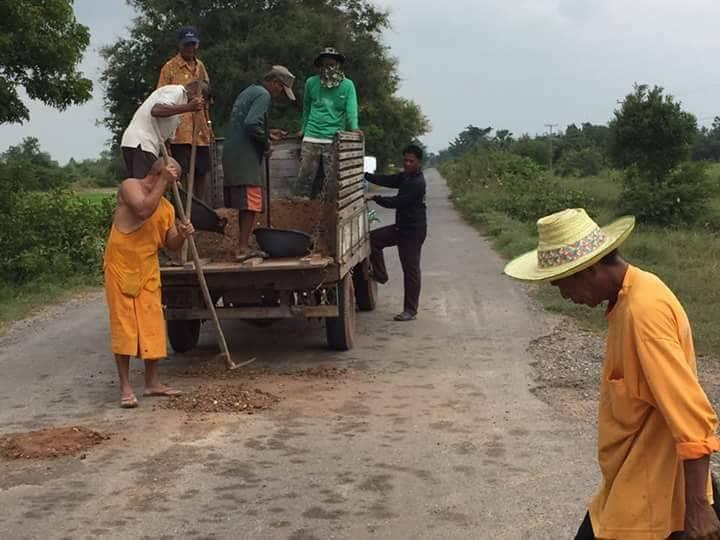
[
  {"x": 247, "y": 140},
  {"x": 330, "y": 106}
]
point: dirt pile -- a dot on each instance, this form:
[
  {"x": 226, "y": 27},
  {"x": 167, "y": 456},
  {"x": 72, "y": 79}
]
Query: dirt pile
[
  {"x": 50, "y": 443},
  {"x": 294, "y": 213},
  {"x": 226, "y": 398}
]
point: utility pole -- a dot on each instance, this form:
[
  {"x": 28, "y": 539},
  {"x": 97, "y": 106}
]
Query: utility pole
[{"x": 551, "y": 126}]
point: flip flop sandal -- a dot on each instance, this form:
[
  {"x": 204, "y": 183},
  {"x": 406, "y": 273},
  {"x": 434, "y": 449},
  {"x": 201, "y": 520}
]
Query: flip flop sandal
[
  {"x": 168, "y": 392},
  {"x": 129, "y": 402}
]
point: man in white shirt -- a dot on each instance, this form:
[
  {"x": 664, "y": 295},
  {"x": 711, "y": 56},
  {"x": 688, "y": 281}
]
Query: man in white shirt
[{"x": 140, "y": 144}]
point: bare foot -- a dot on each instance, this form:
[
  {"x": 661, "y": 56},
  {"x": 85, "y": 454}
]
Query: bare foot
[{"x": 162, "y": 391}]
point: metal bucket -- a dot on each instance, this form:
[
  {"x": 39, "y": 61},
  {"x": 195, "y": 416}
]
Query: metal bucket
[{"x": 282, "y": 242}]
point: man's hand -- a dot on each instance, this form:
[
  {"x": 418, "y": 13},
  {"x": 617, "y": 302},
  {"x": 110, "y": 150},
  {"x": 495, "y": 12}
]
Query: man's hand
[
  {"x": 300, "y": 135},
  {"x": 701, "y": 523},
  {"x": 369, "y": 197},
  {"x": 277, "y": 134},
  {"x": 197, "y": 104},
  {"x": 185, "y": 229},
  {"x": 268, "y": 151},
  {"x": 171, "y": 174}
]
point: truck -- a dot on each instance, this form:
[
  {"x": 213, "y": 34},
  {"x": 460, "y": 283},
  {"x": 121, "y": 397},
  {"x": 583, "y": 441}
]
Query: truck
[{"x": 330, "y": 283}]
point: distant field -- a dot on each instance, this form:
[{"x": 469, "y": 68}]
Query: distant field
[{"x": 96, "y": 194}]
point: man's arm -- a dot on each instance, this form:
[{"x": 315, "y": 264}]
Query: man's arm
[
  {"x": 255, "y": 119},
  {"x": 351, "y": 106},
  {"x": 387, "y": 180},
  {"x": 141, "y": 204},
  {"x": 164, "y": 110},
  {"x": 171, "y": 103},
  {"x": 410, "y": 193},
  {"x": 687, "y": 412}
]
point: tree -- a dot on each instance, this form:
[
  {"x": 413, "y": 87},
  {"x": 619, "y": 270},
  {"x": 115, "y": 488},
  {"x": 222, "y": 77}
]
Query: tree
[
  {"x": 41, "y": 45},
  {"x": 468, "y": 139},
  {"x": 652, "y": 132},
  {"x": 241, "y": 39},
  {"x": 503, "y": 139},
  {"x": 36, "y": 169},
  {"x": 651, "y": 139},
  {"x": 707, "y": 143}
]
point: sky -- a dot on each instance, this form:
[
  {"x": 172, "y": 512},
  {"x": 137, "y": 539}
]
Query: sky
[{"x": 509, "y": 64}]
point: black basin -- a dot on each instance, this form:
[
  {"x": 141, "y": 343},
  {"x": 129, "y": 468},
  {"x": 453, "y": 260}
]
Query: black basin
[
  {"x": 203, "y": 217},
  {"x": 283, "y": 242}
]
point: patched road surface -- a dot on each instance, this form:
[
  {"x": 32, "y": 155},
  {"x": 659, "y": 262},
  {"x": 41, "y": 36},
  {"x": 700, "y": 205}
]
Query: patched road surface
[{"x": 426, "y": 430}]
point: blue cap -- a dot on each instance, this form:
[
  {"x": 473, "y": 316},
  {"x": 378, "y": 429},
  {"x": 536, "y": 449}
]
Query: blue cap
[{"x": 188, "y": 34}]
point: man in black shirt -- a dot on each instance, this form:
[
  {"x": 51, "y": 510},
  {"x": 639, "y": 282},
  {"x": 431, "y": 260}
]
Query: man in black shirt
[{"x": 410, "y": 228}]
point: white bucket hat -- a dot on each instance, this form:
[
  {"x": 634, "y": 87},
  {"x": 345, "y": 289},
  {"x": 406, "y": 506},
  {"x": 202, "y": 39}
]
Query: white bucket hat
[{"x": 568, "y": 242}]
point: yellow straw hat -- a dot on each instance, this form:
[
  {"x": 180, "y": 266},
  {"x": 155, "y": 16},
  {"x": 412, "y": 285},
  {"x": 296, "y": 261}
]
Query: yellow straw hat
[{"x": 568, "y": 242}]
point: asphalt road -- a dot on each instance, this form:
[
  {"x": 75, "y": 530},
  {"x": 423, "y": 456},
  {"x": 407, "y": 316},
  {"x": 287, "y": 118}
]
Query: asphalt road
[{"x": 432, "y": 432}]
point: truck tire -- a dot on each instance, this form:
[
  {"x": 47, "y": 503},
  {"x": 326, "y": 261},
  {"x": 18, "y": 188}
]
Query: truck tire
[
  {"x": 341, "y": 330},
  {"x": 366, "y": 290},
  {"x": 183, "y": 335}
]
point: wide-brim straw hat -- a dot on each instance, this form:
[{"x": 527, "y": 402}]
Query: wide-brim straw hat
[{"x": 568, "y": 243}]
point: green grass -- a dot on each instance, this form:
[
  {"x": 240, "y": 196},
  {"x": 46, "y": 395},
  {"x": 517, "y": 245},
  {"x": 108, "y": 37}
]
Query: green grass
[
  {"x": 687, "y": 259},
  {"x": 96, "y": 195},
  {"x": 17, "y": 303}
]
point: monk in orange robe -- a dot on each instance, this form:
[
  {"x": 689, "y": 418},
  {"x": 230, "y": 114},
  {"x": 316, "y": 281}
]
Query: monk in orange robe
[{"x": 143, "y": 223}]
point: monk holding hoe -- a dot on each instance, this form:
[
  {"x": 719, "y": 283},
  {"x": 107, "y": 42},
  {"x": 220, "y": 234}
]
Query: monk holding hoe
[{"x": 143, "y": 223}]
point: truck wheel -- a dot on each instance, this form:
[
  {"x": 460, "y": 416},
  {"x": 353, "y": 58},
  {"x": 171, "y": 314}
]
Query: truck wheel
[
  {"x": 341, "y": 330},
  {"x": 366, "y": 290},
  {"x": 183, "y": 335}
]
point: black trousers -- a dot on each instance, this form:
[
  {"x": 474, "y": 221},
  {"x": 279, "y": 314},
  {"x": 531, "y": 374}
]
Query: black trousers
[
  {"x": 409, "y": 243},
  {"x": 586, "y": 532}
]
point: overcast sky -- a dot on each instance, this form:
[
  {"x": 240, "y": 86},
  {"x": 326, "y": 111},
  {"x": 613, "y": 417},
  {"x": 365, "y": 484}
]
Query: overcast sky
[{"x": 514, "y": 64}]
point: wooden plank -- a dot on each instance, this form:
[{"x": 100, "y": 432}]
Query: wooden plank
[
  {"x": 354, "y": 154},
  {"x": 292, "y": 263},
  {"x": 349, "y": 190},
  {"x": 349, "y": 180},
  {"x": 356, "y": 172},
  {"x": 348, "y": 212},
  {"x": 343, "y": 146},
  {"x": 350, "y": 164},
  {"x": 345, "y": 136},
  {"x": 342, "y": 203},
  {"x": 238, "y": 313}
]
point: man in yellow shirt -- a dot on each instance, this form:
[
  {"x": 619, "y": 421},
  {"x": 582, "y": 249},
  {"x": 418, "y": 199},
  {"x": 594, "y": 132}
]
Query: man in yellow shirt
[
  {"x": 656, "y": 427},
  {"x": 181, "y": 69}
]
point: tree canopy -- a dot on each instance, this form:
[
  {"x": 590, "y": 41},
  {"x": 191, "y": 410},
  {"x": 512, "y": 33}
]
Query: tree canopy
[
  {"x": 651, "y": 131},
  {"x": 241, "y": 39},
  {"x": 41, "y": 45}
]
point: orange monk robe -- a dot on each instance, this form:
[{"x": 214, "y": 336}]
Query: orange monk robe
[{"x": 132, "y": 286}]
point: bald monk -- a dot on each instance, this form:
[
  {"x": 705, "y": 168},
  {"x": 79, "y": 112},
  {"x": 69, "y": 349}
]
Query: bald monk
[{"x": 144, "y": 222}]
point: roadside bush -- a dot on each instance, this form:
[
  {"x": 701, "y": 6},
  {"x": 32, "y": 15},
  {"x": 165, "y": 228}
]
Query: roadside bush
[
  {"x": 679, "y": 197},
  {"x": 579, "y": 163},
  {"x": 485, "y": 181},
  {"x": 53, "y": 234}
]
